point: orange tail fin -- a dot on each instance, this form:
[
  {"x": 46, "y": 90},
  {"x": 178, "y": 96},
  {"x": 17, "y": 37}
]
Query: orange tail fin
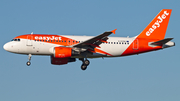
[{"x": 157, "y": 28}]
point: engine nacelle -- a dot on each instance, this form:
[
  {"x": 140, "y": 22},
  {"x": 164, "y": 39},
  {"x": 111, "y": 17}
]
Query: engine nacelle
[
  {"x": 62, "y": 52},
  {"x": 62, "y": 55},
  {"x": 61, "y": 61}
]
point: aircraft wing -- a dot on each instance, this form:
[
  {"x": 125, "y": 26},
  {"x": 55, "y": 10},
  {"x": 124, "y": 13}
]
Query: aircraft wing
[{"x": 94, "y": 42}]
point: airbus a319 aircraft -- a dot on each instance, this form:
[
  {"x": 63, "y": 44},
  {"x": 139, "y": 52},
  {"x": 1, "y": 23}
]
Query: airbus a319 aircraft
[{"x": 65, "y": 48}]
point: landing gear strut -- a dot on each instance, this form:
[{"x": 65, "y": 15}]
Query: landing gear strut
[
  {"x": 84, "y": 64},
  {"x": 29, "y": 58}
]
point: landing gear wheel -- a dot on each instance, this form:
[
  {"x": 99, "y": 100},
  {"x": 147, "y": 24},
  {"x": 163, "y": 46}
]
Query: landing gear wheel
[
  {"x": 28, "y": 63},
  {"x": 86, "y": 62},
  {"x": 83, "y": 67}
]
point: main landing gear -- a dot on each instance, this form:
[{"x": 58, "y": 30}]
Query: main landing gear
[
  {"x": 29, "y": 58},
  {"x": 84, "y": 64}
]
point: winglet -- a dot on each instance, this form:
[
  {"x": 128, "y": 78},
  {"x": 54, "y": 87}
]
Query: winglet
[{"x": 113, "y": 31}]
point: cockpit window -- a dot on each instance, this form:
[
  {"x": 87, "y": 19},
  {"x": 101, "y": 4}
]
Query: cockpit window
[{"x": 16, "y": 40}]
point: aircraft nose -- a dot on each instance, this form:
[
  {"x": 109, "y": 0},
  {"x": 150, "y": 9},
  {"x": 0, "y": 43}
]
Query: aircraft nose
[{"x": 6, "y": 47}]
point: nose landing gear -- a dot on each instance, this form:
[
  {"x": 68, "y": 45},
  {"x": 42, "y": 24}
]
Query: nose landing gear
[{"x": 29, "y": 58}]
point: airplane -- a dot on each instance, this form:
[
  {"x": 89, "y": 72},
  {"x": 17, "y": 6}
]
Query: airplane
[{"x": 63, "y": 49}]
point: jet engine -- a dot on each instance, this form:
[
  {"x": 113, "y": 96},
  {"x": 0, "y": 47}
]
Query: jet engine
[{"x": 62, "y": 55}]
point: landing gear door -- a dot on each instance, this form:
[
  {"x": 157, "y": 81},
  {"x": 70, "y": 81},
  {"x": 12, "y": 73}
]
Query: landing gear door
[{"x": 29, "y": 40}]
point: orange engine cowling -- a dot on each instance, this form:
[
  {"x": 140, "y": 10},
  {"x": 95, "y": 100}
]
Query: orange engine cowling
[{"x": 62, "y": 52}]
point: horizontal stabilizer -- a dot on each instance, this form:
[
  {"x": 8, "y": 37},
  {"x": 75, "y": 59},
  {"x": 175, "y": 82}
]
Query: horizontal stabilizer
[{"x": 161, "y": 42}]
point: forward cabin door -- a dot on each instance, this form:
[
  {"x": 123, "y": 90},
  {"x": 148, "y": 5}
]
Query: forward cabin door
[
  {"x": 29, "y": 44},
  {"x": 29, "y": 40}
]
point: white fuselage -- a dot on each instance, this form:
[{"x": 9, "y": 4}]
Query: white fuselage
[{"x": 115, "y": 46}]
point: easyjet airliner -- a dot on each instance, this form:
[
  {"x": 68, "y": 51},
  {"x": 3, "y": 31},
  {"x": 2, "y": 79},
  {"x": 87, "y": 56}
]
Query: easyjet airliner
[{"x": 65, "y": 48}]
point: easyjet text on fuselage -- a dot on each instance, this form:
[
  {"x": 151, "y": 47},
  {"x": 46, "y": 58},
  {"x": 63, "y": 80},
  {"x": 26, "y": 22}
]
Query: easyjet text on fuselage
[{"x": 47, "y": 38}]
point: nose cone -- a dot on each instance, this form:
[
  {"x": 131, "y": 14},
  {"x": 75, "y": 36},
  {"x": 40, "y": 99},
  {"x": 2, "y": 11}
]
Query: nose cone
[
  {"x": 6, "y": 47},
  {"x": 11, "y": 47}
]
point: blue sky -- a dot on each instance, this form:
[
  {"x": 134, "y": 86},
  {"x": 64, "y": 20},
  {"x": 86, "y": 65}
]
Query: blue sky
[{"x": 150, "y": 76}]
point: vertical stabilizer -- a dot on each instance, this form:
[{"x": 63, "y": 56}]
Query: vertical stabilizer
[{"x": 157, "y": 27}]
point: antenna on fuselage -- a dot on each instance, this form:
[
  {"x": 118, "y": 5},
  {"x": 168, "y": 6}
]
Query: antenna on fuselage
[{"x": 31, "y": 33}]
